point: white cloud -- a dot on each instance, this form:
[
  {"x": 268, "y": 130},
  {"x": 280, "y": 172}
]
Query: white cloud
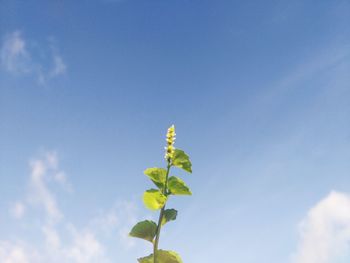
[
  {"x": 85, "y": 248},
  {"x": 325, "y": 232},
  {"x": 17, "y": 210},
  {"x": 59, "y": 240},
  {"x": 51, "y": 159},
  {"x": 52, "y": 238},
  {"x": 17, "y": 252},
  {"x": 40, "y": 194},
  {"x": 19, "y": 58},
  {"x": 12, "y": 254},
  {"x": 117, "y": 221},
  {"x": 58, "y": 66},
  {"x": 14, "y": 55}
]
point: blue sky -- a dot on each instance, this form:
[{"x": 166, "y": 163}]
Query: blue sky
[{"x": 259, "y": 93}]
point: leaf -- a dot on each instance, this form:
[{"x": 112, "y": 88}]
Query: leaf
[
  {"x": 163, "y": 256},
  {"x": 178, "y": 187},
  {"x": 148, "y": 259},
  {"x": 157, "y": 175},
  {"x": 146, "y": 230},
  {"x": 182, "y": 160},
  {"x": 169, "y": 215},
  {"x": 154, "y": 199}
]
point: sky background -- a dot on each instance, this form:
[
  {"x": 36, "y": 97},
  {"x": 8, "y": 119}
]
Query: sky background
[{"x": 259, "y": 92}]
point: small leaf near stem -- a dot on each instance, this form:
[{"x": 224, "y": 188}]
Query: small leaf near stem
[
  {"x": 146, "y": 230},
  {"x": 169, "y": 215}
]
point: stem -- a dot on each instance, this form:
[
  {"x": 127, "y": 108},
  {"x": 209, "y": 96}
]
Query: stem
[{"x": 161, "y": 214}]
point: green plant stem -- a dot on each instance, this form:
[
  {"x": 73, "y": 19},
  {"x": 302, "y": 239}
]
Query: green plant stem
[{"x": 161, "y": 214}]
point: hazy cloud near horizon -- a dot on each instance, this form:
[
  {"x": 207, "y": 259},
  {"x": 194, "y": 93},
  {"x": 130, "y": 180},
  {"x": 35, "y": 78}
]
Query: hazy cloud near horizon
[{"x": 58, "y": 239}]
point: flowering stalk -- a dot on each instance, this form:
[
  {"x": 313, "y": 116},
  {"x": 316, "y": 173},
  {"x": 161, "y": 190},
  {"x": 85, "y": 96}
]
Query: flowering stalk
[
  {"x": 161, "y": 215},
  {"x": 156, "y": 199}
]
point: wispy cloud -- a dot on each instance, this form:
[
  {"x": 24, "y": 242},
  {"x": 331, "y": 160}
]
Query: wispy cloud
[
  {"x": 20, "y": 59},
  {"x": 325, "y": 232},
  {"x": 17, "y": 252},
  {"x": 17, "y": 210},
  {"x": 15, "y": 57},
  {"x": 59, "y": 239},
  {"x": 319, "y": 63},
  {"x": 40, "y": 193}
]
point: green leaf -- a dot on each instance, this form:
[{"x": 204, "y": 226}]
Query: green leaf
[
  {"x": 146, "y": 230},
  {"x": 169, "y": 215},
  {"x": 148, "y": 259},
  {"x": 157, "y": 175},
  {"x": 182, "y": 160},
  {"x": 178, "y": 187},
  {"x": 154, "y": 199},
  {"x": 163, "y": 256}
]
